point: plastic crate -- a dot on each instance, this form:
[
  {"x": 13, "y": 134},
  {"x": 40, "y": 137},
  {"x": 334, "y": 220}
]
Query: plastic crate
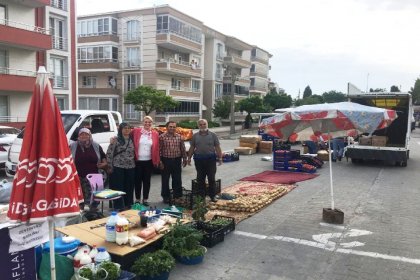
[
  {"x": 195, "y": 189},
  {"x": 229, "y": 227},
  {"x": 185, "y": 201},
  {"x": 212, "y": 235}
]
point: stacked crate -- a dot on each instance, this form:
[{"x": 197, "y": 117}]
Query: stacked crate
[{"x": 248, "y": 144}]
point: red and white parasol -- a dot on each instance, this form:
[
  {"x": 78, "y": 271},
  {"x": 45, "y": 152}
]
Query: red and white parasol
[{"x": 46, "y": 184}]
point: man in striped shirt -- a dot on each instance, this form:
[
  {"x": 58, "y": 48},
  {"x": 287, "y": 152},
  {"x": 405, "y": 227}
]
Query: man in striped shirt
[{"x": 172, "y": 157}]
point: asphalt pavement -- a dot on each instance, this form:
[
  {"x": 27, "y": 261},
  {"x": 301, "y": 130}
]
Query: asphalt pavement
[{"x": 288, "y": 239}]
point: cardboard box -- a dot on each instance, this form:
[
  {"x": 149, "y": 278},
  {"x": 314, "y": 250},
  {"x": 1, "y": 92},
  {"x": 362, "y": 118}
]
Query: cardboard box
[
  {"x": 379, "y": 141},
  {"x": 250, "y": 138},
  {"x": 323, "y": 155},
  {"x": 264, "y": 151},
  {"x": 305, "y": 149},
  {"x": 266, "y": 145},
  {"x": 365, "y": 140},
  {"x": 245, "y": 150},
  {"x": 249, "y": 145}
]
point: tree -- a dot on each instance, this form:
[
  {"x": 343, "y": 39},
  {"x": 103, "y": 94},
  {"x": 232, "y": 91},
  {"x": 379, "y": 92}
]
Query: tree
[
  {"x": 251, "y": 104},
  {"x": 307, "y": 92},
  {"x": 221, "y": 108},
  {"x": 148, "y": 99},
  {"x": 274, "y": 101},
  {"x": 415, "y": 92},
  {"x": 333, "y": 96},
  {"x": 395, "y": 89},
  {"x": 313, "y": 99}
]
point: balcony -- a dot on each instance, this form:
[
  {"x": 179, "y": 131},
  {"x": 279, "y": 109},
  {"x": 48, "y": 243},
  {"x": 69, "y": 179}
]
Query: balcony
[
  {"x": 21, "y": 35},
  {"x": 59, "y": 43},
  {"x": 170, "y": 67},
  {"x": 240, "y": 81},
  {"x": 185, "y": 92},
  {"x": 132, "y": 64},
  {"x": 258, "y": 89},
  {"x": 17, "y": 80},
  {"x": 259, "y": 59},
  {"x": 59, "y": 4},
  {"x": 131, "y": 38},
  {"x": 96, "y": 38},
  {"x": 173, "y": 41},
  {"x": 60, "y": 82},
  {"x": 258, "y": 74},
  {"x": 98, "y": 64},
  {"x": 236, "y": 61},
  {"x": 99, "y": 91},
  {"x": 35, "y": 3}
]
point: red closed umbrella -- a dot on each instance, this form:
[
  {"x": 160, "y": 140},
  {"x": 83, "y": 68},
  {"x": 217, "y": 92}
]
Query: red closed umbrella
[{"x": 46, "y": 184}]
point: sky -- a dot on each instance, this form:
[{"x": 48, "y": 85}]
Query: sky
[{"x": 321, "y": 43}]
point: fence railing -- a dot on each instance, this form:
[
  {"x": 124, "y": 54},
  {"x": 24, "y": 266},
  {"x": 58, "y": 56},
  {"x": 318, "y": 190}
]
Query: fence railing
[
  {"x": 60, "y": 43},
  {"x": 24, "y": 26},
  {"x": 4, "y": 119}
]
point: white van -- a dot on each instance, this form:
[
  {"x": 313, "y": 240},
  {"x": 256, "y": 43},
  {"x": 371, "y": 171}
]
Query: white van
[{"x": 103, "y": 124}]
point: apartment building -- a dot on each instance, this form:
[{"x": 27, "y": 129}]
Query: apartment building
[
  {"x": 163, "y": 48},
  {"x": 259, "y": 79},
  {"x": 227, "y": 61},
  {"x": 160, "y": 47},
  {"x": 32, "y": 34}
]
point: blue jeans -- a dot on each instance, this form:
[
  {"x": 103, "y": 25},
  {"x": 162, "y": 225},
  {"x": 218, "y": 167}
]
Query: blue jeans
[
  {"x": 338, "y": 148},
  {"x": 312, "y": 147}
]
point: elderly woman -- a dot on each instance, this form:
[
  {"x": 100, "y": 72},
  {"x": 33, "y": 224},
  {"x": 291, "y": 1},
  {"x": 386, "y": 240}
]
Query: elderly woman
[
  {"x": 88, "y": 157},
  {"x": 146, "y": 148},
  {"x": 121, "y": 165}
]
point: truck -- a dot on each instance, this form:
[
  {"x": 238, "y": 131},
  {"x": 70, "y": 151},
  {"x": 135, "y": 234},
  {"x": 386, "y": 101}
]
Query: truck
[
  {"x": 396, "y": 138},
  {"x": 103, "y": 125}
]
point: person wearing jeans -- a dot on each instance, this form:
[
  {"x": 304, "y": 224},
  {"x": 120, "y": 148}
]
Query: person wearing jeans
[{"x": 205, "y": 147}]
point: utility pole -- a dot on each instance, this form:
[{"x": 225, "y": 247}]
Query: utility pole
[{"x": 232, "y": 101}]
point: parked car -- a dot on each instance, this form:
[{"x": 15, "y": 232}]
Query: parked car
[
  {"x": 103, "y": 124},
  {"x": 7, "y": 135}
]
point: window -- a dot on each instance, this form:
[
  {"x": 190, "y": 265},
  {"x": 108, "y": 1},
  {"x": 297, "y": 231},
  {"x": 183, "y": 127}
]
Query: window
[
  {"x": 95, "y": 54},
  {"x": 112, "y": 82},
  {"x": 4, "y": 105},
  {"x": 58, "y": 33},
  {"x": 95, "y": 103},
  {"x": 185, "y": 107},
  {"x": 219, "y": 71},
  {"x": 252, "y": 82},
  {"x": 218, "y": 90},
  {"x": 59, "y": 70},
  {"x": 4, "y": 61},
  {"x": 175, "y": 84},
  {"x": 220, "y": 52},
  {"x": 59, "y": 4},
  {"x": 133, "y": 30},
  {"x": 96, "y": 123},
  {"x": 133, "y": 57},
  {"x": 3, "y": 14},
  {"x": 62, "y": 102},
  {"x": 130, "y": 113},
  {"x": 253, "y": 68},
  {"x": 132, "y": 81},
  {"x": 167, "y": 23},
  {"x": 95, "y": 27},
  {"x": 196, "y": 85},
  {"x": 89, "y": 81}
]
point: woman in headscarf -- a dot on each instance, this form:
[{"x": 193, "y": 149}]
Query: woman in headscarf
[
  {"x": 121, "y": 165},
  {"x": 88, "y": 157}
]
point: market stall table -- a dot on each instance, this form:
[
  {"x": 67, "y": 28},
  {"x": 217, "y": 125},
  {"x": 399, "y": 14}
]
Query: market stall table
[{"x": 93, "y": 233}]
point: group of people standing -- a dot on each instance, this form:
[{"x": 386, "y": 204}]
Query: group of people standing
[{"x": 133, "y": 155}]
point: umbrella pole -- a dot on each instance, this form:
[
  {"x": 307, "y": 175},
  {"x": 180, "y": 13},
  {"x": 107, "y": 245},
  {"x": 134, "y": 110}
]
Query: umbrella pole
[
  {"x": 331, "y": 177},
  {"x": 52, "y": 248}
]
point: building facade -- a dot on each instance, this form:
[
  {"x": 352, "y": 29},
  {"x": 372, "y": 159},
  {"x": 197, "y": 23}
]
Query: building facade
[
  {"x": 260, "y": 67},
  {"x": 163, "y": 48},
  {"x": 32, "y": 34}
]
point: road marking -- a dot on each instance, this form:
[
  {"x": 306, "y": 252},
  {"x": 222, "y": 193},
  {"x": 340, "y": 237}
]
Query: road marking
[{"x": 327, "y": 247}]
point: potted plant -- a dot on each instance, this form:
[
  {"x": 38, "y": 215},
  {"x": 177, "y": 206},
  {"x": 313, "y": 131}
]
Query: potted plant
[
  {"x": 154, "y": 266},
  {"x": 183, "y": 242}
]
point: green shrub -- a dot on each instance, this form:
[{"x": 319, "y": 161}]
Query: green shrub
[
  {"x": 153, "y": 264},
  {"x": 193, "y": 124}
]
